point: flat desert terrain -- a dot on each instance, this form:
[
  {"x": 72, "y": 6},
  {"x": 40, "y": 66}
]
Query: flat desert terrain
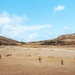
[{"x": 17, "y": 60}]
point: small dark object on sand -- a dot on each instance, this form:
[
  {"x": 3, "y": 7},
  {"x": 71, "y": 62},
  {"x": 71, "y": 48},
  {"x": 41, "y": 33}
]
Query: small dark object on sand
[
  {"x": 62, "y": 62},
  {"x": 40, "y": 59},
  {"x": 8, "y": 55},
  {"x": 0, "y": 56}
]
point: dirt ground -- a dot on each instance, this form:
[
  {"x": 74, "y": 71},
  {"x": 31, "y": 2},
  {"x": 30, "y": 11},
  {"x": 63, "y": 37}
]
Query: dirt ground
[{"x": 17, "y": 60}]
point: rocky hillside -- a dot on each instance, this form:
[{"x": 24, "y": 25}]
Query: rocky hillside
[
  {"x": 68, "y": 39},
  {"x": 7, "y": 41}
]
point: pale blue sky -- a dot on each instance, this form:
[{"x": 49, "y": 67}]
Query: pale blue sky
[{"x": 35, "y": 20}]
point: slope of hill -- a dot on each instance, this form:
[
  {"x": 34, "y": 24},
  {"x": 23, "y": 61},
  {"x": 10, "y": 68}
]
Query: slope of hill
[
  {"x": 7, "y": 41},
  {"x": 68, "y": 39}
]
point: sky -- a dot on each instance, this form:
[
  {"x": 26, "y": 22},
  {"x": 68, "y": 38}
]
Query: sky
[{"x": 36, "y": 20}]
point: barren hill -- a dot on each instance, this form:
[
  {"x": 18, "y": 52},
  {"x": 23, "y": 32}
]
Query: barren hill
[
  {"x": 68, "y": 39},
  {"x": 7, "y": 41}
]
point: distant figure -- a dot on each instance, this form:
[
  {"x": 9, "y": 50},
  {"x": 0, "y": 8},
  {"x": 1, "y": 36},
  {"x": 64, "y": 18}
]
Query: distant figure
[
  {"x": 0, "y": 56},
  {"x": 40, "y": 59},
  {"x": 62, "y": 62}
]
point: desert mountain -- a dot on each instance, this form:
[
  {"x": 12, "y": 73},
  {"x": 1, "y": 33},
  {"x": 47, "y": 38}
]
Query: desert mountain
[
  {"x": 68, "y": 39},
  {"x": 7, "y": 41}
]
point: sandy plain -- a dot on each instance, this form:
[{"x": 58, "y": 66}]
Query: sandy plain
[{"x": 17, "y": 60}]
